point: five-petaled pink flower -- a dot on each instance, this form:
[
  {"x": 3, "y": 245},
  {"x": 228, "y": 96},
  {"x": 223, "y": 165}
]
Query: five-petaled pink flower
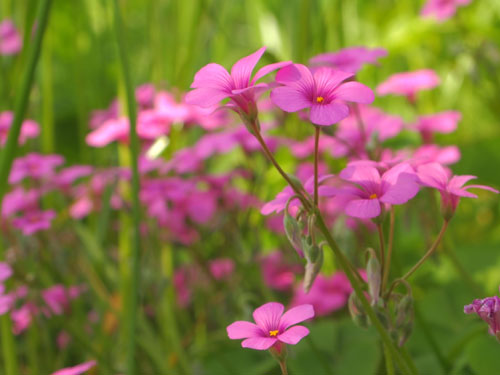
[
  {"x": 451, "y": 187},
  {"x": 369, "y": 190},
  {"x": 273, "y": 327},
  {"x": 324, "y": 92},
  {"x": 442, "y": 9},
  {"x": 409, "y": 83},
  {"x": 349, "y": 59},
  {"x": 213, "y": 83},
  {"x": 442, "y": 122}
]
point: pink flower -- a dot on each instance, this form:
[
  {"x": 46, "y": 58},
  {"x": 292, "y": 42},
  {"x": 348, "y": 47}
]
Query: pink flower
[
  {"x": 488, "y": 309},
  {"x": 29, "y": 128},
  {"x": 327, "y": 294},
  {"x": 409, "y": 83},
  {"x": 5, "y": 271},
  {"x": 442, "y": 9},
  {"x": 34, "y": 221},
  {"x": 213, "y": 83},
  {"x": 349, "y": 59},
  {"x": 278, "y": 274},
  {"x": 273, "y": 327},
  {"x": 443, "y": 122},
  {"x": 19, "y": 200},
  {"x": 10, "y": 40},
  {"x": 323, "y": 92},
  {"x": 114, "y": 129},
  {"x": 34, "y": 165},
  {"x": 22, "y": 317},
  {"x": 67, "y": 176},
  {"x": 145, "y": 95},
  {"x": 450, "y": 187},
  {"x": 370, "y": 190},
  {"x": 76, "y": 370},
  {"x": 221, "y": 268},
  {"x": 434, "y": 154}
]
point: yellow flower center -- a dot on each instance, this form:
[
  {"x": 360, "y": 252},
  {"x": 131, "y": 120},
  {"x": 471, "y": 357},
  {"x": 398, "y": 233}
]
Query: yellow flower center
[
  {"x": 320, "y": 99},
  {"x": 373, "y": 196},
  {"x": 273, "y": 333}
]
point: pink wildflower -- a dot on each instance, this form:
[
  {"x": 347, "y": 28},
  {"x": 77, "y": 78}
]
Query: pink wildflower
[
  {"x": 488, "y": 309},
  {"x": 443, "y": 122},
  {"x": 442, "y": 9},
  {"x": 221, "y": 268},
  {"x": 277, "y": 273},
  {"x": 370, "y": 190},
  {"x": 349, "y": 59},
  {"x": 213, "y": 83},
  {"x": 29, "y": 128},
  {"x": 409, "y": 83},
  {"x": 34, "y": 221},
  {"x": 5, "y": 271},
  {"x": 273, "y": 327},
  {"x": 76, "y": 370},
  {"x": 432, "y": 153},
  {"x": 450, "y": 187},
  {"x": 323, "y": 92},
  {"x": 19, "y": 200},
  {"x": 10, "y": 40},
  {"x": 34, "y": 165}
]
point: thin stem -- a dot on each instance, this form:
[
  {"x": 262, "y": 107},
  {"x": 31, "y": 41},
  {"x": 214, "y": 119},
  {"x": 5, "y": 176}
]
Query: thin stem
[
  {"x": 316, "y": 161},
  {"x": 283, "y": 368},
  {"x": 131, "y": 309},
  {"x": 359, "y": 120},
  {"x": 387, "y": 267},
  {"x": 389, "y": 365},
  {"x": 382, "y": 247},
  {"x": 344, "y": 263},
  {"x": 428, "y": 253}
]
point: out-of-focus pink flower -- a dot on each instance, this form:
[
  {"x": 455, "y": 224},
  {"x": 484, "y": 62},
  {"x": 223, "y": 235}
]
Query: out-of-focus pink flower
[
  {"x": 488, "y": 309},
  {"x": 19, "y": 200},
  {"x": 10, "y": 39},
  {"x": 350, "y": 59},
  {"x": 99, "y": 117},
  {"x": 327, "y": 294},
  {"x": 34, "y": 165},
  {"x": 443, "y": 122},
  {"x": 324, "y": 92},
  {"x": 451, "y": 187},
  {"x": 434, "y": 154},
  {"x": 63, "y": 340},
  {"x": 57, "y": 298},
  {"x": 5, "y": 271},
  {"x": 278, "y": 274},
  {"x": 67, "y": 176},
  {"x": 409, "y": 83},
  {"x": 369, "y": 190},
  {"x": 182, "y": 286},
  {"x": 114, "y": 129},
  {"x": 221, "y": 268},
  {"x": 34, "y": 221},
  {"x": 76, "y": 370},
  {"x": 213, "y": 83},
  {"x": 273, "y": 327},
  {"x": 29, "y": 128},
  {"x": 145, "y": 95},
  {"x": 441, "y": 10},
  {"x": 22, "y": 317}
]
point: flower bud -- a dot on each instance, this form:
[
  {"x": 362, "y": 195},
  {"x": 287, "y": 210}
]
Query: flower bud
[
  {"x": 313, "y": 267},
  {"x": 357, "y": 312},
  {"x": 373, "y": 274},
  {"x": 293, "y": 232}
]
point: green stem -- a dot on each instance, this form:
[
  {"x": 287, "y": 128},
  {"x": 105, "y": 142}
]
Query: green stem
[
  {"x": 344, "y": 263},
  {"x": 8, "y": 346},
  {"x": 316, "y": 157},
  {"x": 283, "y": 368},
  {"x": 389, "y": 365},
  {"x": 428, "y": 253},
  {"x": 387, "y": 267},
  {"x": 382, "y": 247},
  {"x": 132, "y": 301}
]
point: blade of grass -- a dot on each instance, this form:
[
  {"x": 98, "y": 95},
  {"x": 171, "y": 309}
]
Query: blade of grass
[{"x": 132, "y": 300}]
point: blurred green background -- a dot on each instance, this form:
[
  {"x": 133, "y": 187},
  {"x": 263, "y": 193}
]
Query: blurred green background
[{"x": 169, "y": 40}]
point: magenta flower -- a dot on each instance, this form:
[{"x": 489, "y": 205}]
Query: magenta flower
[
  {"x": 221, "y": 268},
  {"x": 369, "y": 190},
  {"x": 442, "y": 9},
  {"x": 273, "y": 327},
  {"x": 443, "y": 122},
  {"x": 29, "y": 128},
  {"x": 5, "y": 271},
  {"x": 323, "y": 92},
  {"x": 10, "y": 40},
  {"x": 34, "y": 165},
  {"x": 488, "y": 309},
  {"x": 34, "y": 221},
  {"x": 277, "y": 273},
  {"x": 349, "y": 59},
  {"x": 409, "y": 83},
  {"x": 434, "y": 154},
  {"x": 76, "y": 370},
  {"x": 18, "y": 200},
  {"x": 327, "y": 294},
  {"x": 213, "y": 83},
  {"x": 450, "y": 187}
]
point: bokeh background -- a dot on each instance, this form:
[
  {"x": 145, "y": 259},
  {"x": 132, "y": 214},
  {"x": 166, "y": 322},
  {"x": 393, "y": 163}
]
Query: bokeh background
[{"x": 167, "y": 42}]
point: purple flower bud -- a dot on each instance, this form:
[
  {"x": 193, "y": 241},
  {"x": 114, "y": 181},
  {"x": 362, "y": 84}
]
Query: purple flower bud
[{"x": 488, "y": 309}]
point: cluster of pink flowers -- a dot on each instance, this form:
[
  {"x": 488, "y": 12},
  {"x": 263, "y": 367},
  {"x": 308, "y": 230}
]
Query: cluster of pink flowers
[{"x": 10, "y": 39}]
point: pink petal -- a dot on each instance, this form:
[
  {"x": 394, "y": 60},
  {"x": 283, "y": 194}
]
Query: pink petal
[
  {"x": 391, "y": 176},
  {"x": 402, "y": 191},
  {"x": 259, "y": 343},
  {"x": 484, "y": 187},
  {"x": 242, "y": 69},
  {"x": 243, "y": 330},
  {"x": 76, "y": 370},
  {"x": 268, "y": 69},
  {"x": 293, "y": 335},
  {"x": 268, "y": 316},
  {"x": 363, "y": 208},
  {"x": 205, "y": 97},
  {"x": 289, "y": 99},
  {"x": 457, "y": 182},
  {"x": 213, "y": 76},
  {"x": 328, "y": 79},
  {"x": 294, "y": 73},
  {"x": 328, "y": 114},
  {"x": 355, "y": 92},
  {"x": 296, "y": 315},
  {"x": 433, "y": 175},
  {"x": 367, "y": 177}
]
